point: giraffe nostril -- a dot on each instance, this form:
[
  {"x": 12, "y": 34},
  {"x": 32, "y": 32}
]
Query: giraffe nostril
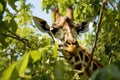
[
  {"x": 68, "y": 42},
  {"x": 74, "y": 42}
]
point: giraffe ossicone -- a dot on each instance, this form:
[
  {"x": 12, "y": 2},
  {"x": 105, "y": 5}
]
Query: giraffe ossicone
[{"x": 64, "y": 32}]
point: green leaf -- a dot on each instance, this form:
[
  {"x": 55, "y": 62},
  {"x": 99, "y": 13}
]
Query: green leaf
[
  {"x": 16, "y": 69},
  {"x": 55, "y": 53},
  {"x": 107, "y": 49},
  {"x": 117, "y": 63},
  {"x": 59, "y": 70},
  {"x": 35, "y": 55},
  {"x": 2, "y": 8},
  {"x": 26, "y": 31},
  {"x": 10, "y": 73},
  {"x": 13, "y": 25},
  {"x": 111, "y": 72},
  {"x": 3, "y": 42},
  {"x": 22, "y": 63}
]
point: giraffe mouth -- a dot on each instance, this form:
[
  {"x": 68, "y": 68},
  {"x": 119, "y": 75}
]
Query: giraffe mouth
[{"x": 68, "y": 46}]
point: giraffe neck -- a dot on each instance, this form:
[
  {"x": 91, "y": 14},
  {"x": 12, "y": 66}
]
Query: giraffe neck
[{"x": 80, "y": 58}]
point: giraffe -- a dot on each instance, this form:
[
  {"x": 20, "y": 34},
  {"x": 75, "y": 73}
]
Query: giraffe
[{"x": 64, "y": 32}]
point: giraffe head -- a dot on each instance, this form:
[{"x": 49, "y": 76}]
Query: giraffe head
[{"x": 64, "y": 30}]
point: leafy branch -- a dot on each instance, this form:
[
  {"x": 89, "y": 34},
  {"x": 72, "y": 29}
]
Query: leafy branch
[
  {"x": 25, "y": 41},
  {"x": 97, "y": 31},
  {"x": 17, "y": 36}
]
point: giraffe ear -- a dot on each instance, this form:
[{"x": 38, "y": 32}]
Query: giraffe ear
[
  {"x": 41, "y": 24},
  {"x": 70, "y": 12},
  {"x": 56, "y": 13},
  {"x": 84, "y": 26}
]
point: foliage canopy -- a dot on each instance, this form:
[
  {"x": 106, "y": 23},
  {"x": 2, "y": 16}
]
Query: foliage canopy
[{"x": 25, "y": 54}]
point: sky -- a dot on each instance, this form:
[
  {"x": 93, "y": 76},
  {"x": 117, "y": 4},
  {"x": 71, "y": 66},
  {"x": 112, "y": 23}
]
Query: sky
[{"x": 37, "y": 11}]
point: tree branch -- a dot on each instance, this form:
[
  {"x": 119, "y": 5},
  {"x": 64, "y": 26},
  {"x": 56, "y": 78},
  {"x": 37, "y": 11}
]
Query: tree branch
[
  {"x": 17, "y": 38},
  {"x": 25, "y": 41},
  {"x": 97, "y": 31},
  {"x": 17, "y": 35}
]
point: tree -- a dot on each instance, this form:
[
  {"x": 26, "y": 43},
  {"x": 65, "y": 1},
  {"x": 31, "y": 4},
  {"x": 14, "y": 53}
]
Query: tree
[{"x": 26, "y": 54}]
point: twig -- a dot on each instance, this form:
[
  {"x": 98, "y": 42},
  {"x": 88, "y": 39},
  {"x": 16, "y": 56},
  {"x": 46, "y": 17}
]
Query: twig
[
  {"x": 97, "y": 31},
  {"x": 13, "y": 33},
  {"x": 16, "y": 35}
]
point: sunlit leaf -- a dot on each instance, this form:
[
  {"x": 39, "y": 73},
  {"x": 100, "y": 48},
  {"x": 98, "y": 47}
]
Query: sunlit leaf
[
  {"x": 55, "y": 52},
  {"x": 1, "y": 7},
  {"x": 22, "y": 63},
  {"x": 35, "y": 55},
  {"x": 10, "y": 73}
]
